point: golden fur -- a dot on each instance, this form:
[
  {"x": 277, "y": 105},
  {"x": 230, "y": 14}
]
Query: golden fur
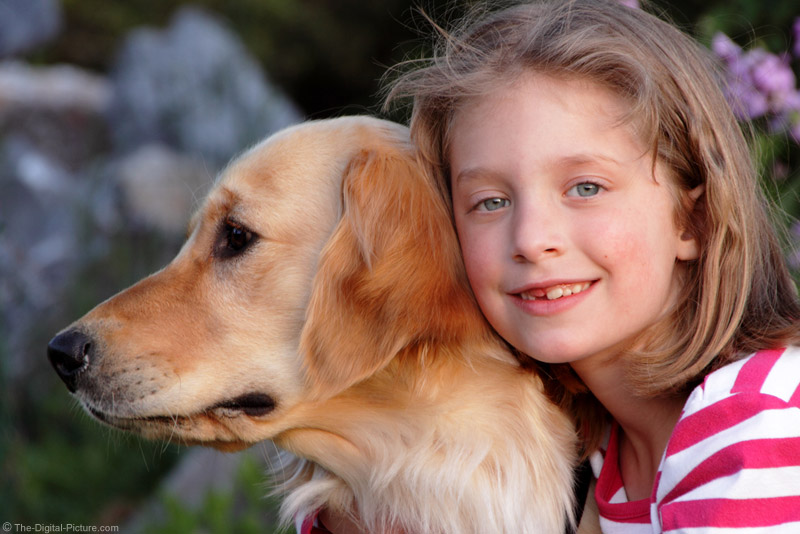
[{"x": 345, "y": 332}]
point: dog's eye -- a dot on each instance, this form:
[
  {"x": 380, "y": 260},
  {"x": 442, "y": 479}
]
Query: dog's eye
[
  {"x": 233, "y": 239},
  {"x": 238, "y": 238}
]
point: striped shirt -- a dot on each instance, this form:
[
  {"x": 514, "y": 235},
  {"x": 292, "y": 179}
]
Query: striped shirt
[{"x": 732, "y": 464}]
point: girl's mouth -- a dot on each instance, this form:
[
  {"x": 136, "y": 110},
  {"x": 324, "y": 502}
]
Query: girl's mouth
[{"x": 554, "y": 292}]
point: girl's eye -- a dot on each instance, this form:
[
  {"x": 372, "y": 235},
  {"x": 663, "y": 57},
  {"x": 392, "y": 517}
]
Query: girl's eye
[
  {"x": 585, "y": 189},
  {"x": 492, "y": 204}
]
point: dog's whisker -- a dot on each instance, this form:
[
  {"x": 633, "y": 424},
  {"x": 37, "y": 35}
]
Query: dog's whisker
[
  {"x": 144, "y": 456},
  {"x": 174, "y": 426},
  {"x": 162, "y": 450}
]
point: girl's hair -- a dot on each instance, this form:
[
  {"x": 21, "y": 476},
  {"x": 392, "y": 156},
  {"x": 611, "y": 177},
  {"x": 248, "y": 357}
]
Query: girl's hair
[{"x": 738, "y": 296}]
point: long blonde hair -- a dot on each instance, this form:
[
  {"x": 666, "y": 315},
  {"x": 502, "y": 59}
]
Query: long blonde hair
[{"x": 738, "y": 296}]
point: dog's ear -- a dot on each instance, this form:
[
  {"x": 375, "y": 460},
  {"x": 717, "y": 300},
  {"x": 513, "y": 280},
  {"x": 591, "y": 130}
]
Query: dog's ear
[{"x": 391, "y": 275}]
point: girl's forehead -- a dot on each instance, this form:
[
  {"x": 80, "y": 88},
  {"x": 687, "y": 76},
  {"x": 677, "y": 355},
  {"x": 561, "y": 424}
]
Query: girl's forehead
[
  {"x": 535, "y": 94},
  {"x": 578, "y": 93}
]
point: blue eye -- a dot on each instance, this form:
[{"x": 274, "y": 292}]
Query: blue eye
[
  {"x": 492, "y": 204},
  {"x": 585, "y": 189}
]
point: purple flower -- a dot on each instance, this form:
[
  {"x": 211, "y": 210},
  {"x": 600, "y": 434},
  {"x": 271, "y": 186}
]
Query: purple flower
[
  {"x": 762, "y": 84},
  {"x": 725, "y": 48},
  {"x": 793, "y": 102},
  {"x": 772, "y": 74},
  {"x": 747, "y": 102},
  {"x": 759, "y": 83}
]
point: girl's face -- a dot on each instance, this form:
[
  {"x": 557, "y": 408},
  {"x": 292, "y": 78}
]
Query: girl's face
[{"x": 568, "y": 236}]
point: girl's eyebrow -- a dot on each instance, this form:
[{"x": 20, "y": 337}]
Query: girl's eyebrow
[
  {"x": 474, "y": 173},
  {"x": 570, "y": 161},
  {"x": 576, "y": 160}
]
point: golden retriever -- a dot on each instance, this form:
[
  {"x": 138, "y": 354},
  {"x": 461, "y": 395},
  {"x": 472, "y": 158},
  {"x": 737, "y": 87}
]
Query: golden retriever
[{"x": 320, "y": 302}]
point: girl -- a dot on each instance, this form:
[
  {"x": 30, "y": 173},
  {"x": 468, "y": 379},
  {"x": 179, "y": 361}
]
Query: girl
[{"x": 613, "y": 230}]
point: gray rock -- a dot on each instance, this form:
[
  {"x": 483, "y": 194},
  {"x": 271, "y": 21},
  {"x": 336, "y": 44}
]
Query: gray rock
[
  {"x": 37, "y": 226},
  {"x": 25, "y": 24},
  {"x": 61, "y": 110},
  {"x": 52, "y": 130},
  {"x": 38, "y": 249},
  {"x": 160, "y": 188},
  {"x": 194, "y": 87}
]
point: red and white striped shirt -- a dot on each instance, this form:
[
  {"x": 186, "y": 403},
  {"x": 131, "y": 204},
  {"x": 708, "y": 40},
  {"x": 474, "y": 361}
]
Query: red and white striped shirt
[{"x": 732, "y": 464}]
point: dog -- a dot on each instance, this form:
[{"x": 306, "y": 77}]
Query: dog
[{"x": 320, "y": 301}]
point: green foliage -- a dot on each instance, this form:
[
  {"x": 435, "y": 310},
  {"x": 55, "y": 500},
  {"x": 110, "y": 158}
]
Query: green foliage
[
  {"x": 779, "y": 165},
  {"x": 245, "y": 511},
  {"x": 329, "y": 56},
  {"x": 748, "y": 21},
  {"x": 58, "y": 467}
]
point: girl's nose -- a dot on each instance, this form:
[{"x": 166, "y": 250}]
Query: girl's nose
[{"x": 537, "y": 234}]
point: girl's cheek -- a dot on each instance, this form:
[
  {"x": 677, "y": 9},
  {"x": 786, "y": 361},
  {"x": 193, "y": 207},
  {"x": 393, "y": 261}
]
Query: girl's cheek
[{"x": 477, "y": 260}]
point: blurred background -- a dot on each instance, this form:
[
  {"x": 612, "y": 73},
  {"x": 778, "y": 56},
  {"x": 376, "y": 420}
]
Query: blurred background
[{"x": 115, "y": 117}]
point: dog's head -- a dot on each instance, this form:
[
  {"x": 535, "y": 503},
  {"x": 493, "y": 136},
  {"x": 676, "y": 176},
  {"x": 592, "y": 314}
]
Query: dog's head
[{"x": 318, "y": 257}]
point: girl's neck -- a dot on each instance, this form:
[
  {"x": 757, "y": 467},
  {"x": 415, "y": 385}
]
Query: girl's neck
[{"x": 646, "y": 424}]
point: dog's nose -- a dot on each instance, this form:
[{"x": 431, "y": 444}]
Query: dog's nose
[{"x": 69, "y": 353}]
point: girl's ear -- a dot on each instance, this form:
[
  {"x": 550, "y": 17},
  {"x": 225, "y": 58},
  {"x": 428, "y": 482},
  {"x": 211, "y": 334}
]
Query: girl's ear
[
  {"x": 390, "y": 277},
  {"x": 689, "y": 244}
]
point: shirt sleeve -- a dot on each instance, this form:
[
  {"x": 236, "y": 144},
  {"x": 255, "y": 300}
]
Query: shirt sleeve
[{"x": 733, "y": 462}]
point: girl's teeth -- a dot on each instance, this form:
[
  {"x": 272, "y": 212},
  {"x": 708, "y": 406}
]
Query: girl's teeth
[{"x": 555, "y": 292}]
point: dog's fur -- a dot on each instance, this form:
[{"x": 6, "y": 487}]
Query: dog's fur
[{"x": 344, "y": 331}]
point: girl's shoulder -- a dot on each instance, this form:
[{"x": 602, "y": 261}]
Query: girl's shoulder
[
  {"x": 766, "y": 374},
  {"x": 740, "y": 428},
  {"x": 752, "y": 398}
]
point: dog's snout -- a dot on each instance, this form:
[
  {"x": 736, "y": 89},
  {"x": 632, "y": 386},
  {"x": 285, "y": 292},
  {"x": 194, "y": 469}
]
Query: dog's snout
[{"x": 69, "y": 353}]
